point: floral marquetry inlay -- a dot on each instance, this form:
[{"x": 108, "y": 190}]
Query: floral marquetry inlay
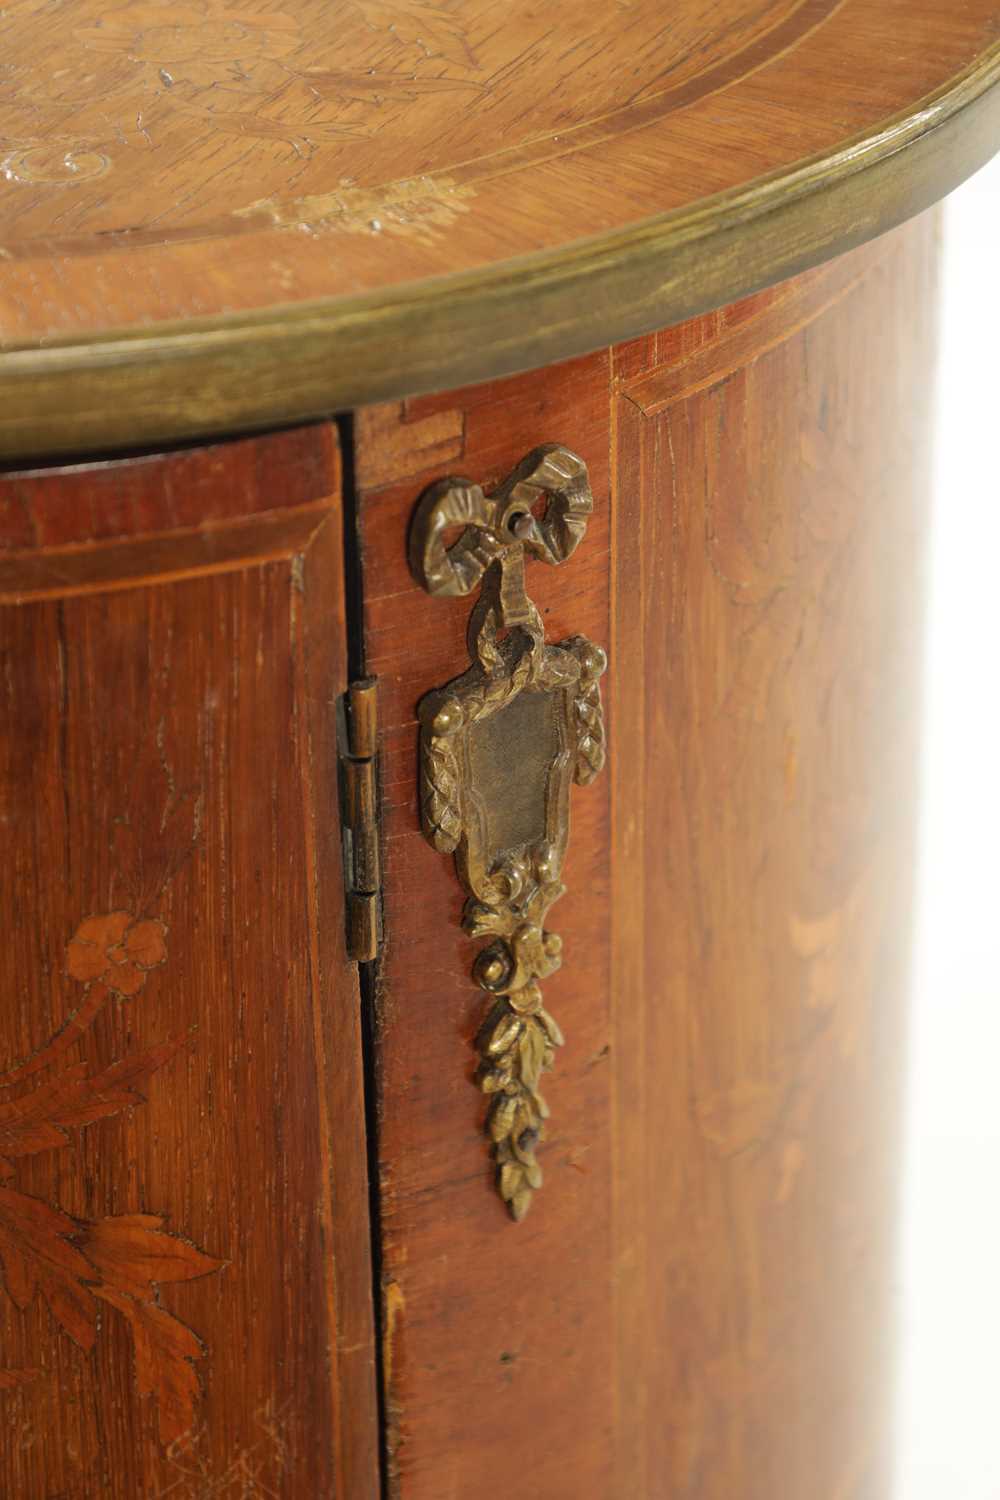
[
  {"x": 114, "y": 1263},
  {"x": 117, "y": 949}
]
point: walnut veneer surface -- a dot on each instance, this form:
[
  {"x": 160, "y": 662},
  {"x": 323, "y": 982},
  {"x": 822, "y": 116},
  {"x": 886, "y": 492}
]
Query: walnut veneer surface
[{"x": 249, "y": 1242}]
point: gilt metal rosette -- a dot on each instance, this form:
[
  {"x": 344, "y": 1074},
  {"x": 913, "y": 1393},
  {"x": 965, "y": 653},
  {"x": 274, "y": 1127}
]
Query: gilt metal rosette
[{"x": 500, "y": 747}]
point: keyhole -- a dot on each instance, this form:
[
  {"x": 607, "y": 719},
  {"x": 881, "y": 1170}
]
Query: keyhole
[{"x": 520, "y": 522}]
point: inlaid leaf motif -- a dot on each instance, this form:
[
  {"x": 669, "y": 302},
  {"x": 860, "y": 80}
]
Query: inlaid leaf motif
[
  {"x": 134, "y": 1254},
  {"x": 120, "y": 1260},
  {"x": 38, "y": 1121},
  {"x": 18, "y": 1276},
  {"x": 95, "y": 997},
  {"x": 37, "y": 1254},
  {"x": 164, "y": 1353}
]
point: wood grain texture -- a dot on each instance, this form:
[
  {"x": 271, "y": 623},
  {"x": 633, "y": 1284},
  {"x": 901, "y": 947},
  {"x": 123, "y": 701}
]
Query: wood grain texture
[
  {"x": 186, "y": 1305},
  {"x": 700, "y": 1303},
  {"x": 413, "y": 138},
  {"x": 768, "y": 564},
  {"x": 238, "y": 216}
]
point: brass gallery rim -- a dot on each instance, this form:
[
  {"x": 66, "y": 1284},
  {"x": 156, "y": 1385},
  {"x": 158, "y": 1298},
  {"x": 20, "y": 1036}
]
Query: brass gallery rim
[{"x": 188, "y": 378}]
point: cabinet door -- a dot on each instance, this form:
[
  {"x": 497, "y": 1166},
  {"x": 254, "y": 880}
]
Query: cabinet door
[{"x": 184, "y": 1248}]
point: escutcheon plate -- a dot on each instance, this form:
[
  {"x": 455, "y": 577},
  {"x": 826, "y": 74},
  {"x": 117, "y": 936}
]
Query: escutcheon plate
[{"x": 499, "y": 748}]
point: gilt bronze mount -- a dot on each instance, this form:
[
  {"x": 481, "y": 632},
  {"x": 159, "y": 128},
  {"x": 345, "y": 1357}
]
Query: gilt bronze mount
[{"x": 499, "y": 748}]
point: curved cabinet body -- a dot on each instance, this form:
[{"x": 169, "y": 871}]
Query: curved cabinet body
[
  {"x": 700, "y": 1302},
  {"x": 266, "y": 1050}
]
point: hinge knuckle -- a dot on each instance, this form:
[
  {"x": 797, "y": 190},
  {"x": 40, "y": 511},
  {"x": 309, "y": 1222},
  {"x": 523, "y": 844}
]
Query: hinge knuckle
[
  {"x": 362, "y": 926},
  {"x": 362, "y": 718},
  {"x": 362, "y": 855}
]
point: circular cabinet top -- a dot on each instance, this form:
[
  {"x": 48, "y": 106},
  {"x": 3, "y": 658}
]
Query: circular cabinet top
[{"x": 213, "y": 218}]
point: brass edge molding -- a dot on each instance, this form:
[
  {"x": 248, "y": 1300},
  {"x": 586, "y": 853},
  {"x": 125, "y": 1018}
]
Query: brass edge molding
[
  {"x": 286, "y": 364},
  {"x": 499, "y": 748}
]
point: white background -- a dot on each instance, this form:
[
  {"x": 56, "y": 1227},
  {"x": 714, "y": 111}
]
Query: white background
[{"x": 949, "y": 1427}]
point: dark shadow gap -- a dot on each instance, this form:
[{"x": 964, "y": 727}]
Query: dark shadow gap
[{"x": 368, "y": 973}]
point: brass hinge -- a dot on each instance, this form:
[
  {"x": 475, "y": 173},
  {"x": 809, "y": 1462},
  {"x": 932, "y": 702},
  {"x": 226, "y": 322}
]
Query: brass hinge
[{"x": 362, "y": 858}]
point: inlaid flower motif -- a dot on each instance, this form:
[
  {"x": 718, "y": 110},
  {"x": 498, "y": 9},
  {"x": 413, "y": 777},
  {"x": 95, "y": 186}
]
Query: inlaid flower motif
[{"x": 118, "y": 950}]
